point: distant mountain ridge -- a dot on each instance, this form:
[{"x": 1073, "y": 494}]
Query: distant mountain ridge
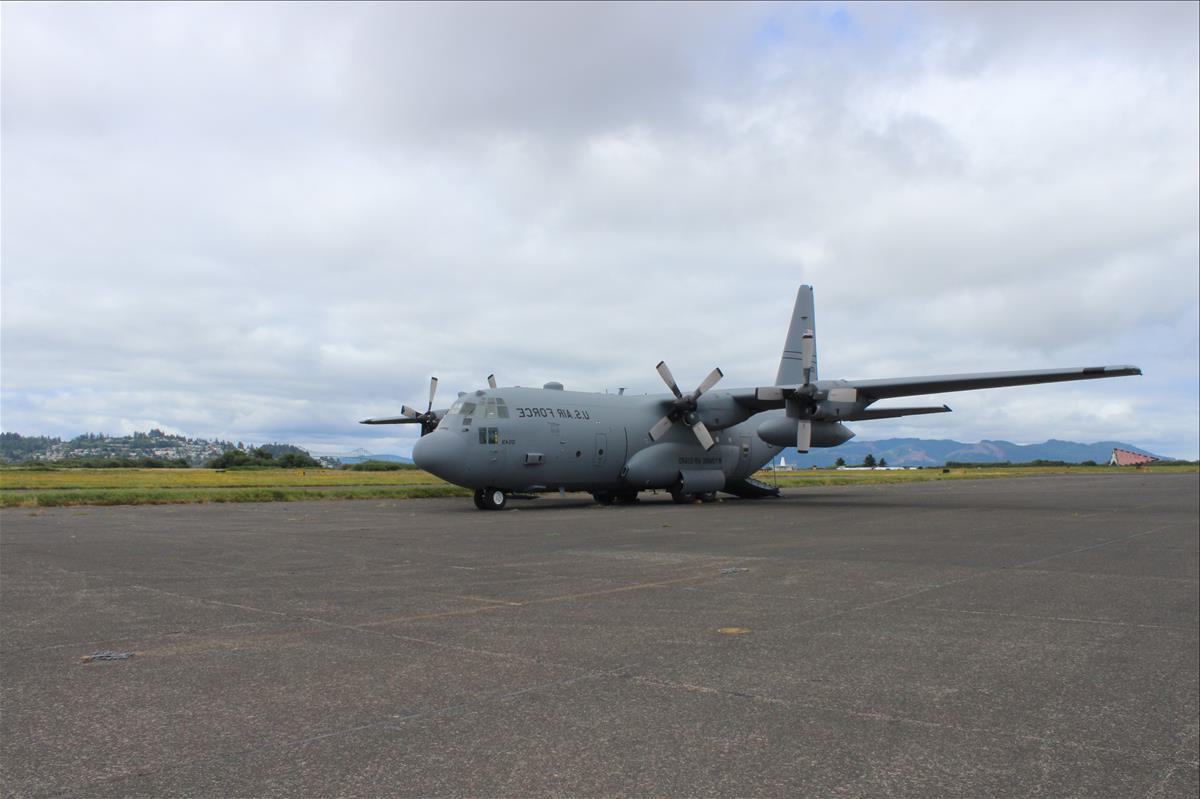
[
  {"x": 358, "y": 456},
  {"x": 937, "y": 452}
]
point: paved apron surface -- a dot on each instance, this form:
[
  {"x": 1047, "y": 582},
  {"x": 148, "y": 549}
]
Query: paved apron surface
[{"x": 1005, "y": 637}]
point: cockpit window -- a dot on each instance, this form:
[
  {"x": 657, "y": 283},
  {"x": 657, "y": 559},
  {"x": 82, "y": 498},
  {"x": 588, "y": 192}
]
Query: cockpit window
[
  {"x": 461, "y": 408},
  {"x": 494, "y": 408}
]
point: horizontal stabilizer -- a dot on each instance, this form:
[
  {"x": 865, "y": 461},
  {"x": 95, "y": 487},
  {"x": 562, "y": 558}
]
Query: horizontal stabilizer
[{"x": 892, "y": 413}]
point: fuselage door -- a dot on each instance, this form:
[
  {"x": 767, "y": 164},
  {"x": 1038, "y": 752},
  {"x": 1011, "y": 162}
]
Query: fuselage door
[{"x": 601, "y": 446}]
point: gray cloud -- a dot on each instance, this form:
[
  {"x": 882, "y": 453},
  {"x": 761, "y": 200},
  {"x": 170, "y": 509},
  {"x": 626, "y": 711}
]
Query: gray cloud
[{"x": 265, "y": 221}]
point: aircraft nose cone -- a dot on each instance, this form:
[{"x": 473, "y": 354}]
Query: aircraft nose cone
[{"x": 443, "y": 454}]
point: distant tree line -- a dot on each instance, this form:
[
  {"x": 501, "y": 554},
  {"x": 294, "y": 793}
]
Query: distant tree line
[
  {"x": 262, "y": 458},
  {"x": 378, "y": 466},
  {"x": 16, "y": 447},
  {"x": 869, "y": 461}
]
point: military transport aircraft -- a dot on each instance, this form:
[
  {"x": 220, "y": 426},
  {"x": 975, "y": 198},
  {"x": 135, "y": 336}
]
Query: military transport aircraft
[{"x": 502, "y": 441}]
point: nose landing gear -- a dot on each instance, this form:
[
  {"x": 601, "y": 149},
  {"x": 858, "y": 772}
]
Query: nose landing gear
[{"x": 490, "y": 499}]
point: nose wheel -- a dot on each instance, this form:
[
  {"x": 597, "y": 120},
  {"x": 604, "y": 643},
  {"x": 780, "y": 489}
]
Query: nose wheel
[{"x": 490, "y": 499}]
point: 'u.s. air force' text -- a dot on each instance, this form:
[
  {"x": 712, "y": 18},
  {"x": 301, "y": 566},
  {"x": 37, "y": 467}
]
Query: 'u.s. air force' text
[{"x": 551, "y": 413}]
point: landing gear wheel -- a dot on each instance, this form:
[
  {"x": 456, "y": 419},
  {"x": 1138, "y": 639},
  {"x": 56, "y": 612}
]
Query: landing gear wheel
[
  {"x": 707, "y": 496},
  {"x": 603, "y": 497},
  {"x": 626, "y": 497},
  {"x": 479, "y": 500},
  {"x": 491, "y": 499}
]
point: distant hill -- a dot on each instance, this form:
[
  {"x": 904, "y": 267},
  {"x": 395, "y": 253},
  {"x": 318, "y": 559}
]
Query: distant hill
[
  {"x": 936, "y": 452},
  {"x": 15, "y": 448}
]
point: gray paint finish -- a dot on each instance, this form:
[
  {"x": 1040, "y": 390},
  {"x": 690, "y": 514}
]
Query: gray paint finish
[{"x": 692, "y": 444}]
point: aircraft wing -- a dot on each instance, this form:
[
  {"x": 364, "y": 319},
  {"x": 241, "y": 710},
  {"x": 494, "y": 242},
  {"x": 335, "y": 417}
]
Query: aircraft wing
[
  {"x": 936, "y": 384},
  {"x": 865, "y": 392}
]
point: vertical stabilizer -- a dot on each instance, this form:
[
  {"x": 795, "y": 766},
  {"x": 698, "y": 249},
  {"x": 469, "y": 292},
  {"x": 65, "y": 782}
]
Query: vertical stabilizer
[{"x": 791, "y": 365}]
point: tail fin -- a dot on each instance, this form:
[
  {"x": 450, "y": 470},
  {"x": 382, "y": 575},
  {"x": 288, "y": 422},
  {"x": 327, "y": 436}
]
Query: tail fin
[{"x": 791, "y": 365}]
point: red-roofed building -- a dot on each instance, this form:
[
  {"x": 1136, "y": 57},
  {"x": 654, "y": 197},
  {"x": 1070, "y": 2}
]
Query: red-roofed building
[{"x": 1123, "y": 457}]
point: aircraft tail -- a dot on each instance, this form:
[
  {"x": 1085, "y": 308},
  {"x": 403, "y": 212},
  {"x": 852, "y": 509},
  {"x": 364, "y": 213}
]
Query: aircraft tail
[{"x": 791, "y": 365}]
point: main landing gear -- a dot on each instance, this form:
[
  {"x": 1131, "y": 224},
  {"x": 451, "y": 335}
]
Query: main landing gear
[
  {"x": 490, "y": 499},
  {"x": 619, "y": 497},
  {"x": 687, "y": 497}
]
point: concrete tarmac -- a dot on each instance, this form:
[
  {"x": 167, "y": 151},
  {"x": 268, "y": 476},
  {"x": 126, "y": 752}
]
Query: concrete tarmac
[{"x": 1007, "y": 637}]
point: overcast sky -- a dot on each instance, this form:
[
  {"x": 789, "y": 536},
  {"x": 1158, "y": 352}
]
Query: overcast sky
[{"x": 264, "y": 222}]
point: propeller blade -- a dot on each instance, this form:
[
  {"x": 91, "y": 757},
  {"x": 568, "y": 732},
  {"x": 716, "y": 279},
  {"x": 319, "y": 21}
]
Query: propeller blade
[
  {"x": 804, "y": 435},
  {"x": 660, "y": 428},
  {"x": 432, "y": 390},
  {"x": 668, "y": 378},
  {"x": 807, "y": 351},
  {"x": 709, "y": 382},
  {"x": 411, "y": 413},
  {"x": 491, "y": 381},
  {"x": 703, "y": 436}
]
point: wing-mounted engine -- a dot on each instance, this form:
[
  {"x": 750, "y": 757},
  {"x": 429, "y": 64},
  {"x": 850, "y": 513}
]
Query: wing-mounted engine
[
  {"x": 781, "y": 431},
  {"x": 802, "y": 403},
  {"x": 685, "y": 409}
]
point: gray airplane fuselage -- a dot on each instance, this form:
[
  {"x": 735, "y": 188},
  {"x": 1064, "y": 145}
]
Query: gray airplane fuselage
[{"x": 580, "y": 441}]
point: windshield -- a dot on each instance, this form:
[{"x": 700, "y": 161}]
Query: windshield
[
  {"x": 494, "y": 408},
  {"x": 461, "y": 408}
]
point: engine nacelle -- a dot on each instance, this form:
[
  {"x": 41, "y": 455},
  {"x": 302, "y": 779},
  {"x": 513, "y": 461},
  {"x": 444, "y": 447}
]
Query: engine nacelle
[
  {"x": 719, "y": 411},
  {"x": 781, "y": 431}
]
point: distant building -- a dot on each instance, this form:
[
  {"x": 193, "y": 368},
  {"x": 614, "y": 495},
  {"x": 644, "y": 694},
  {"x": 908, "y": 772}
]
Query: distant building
[{"x": 1123, "y": 457}]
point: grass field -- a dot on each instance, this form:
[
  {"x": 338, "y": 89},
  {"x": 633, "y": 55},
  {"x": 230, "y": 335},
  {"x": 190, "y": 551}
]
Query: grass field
[
  {"x": 38, "y": 488},
  {"x": 45, "y": 488}
]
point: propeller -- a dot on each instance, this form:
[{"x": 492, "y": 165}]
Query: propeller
[
  {"x": 491, "y": 381},
  {"x": 803, "y": 405},
  {"x": 684, "y": 407},
  {"x": 428, "y": 420}
]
